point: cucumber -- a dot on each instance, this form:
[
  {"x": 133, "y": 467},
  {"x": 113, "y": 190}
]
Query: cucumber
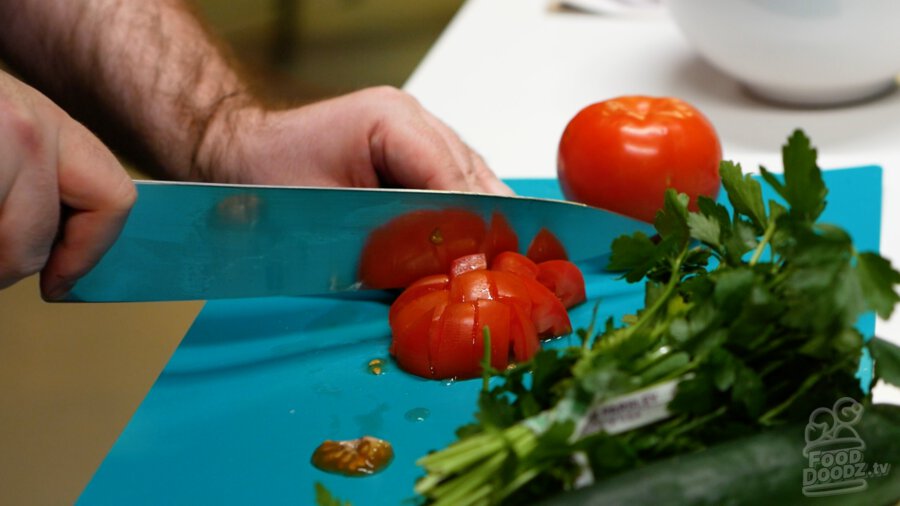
[{"x": 767, "y": 468}]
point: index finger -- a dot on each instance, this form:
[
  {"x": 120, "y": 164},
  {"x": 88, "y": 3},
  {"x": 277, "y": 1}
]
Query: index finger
[
  {"x": 99, "y": 194},
  {"x": 479, "y": 177}
]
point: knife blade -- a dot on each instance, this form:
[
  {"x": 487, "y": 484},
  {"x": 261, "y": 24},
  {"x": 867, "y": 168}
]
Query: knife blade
[{"x": 198, "y": 241}]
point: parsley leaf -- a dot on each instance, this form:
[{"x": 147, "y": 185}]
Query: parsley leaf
[
  {"x": 887, "y": 360},
  {"x": 804, "y": 188},
  {"x": 324, "y": 497},
  {"x": 635, "y": 254},
  {"x": 671, "y": 220},
  {"x": 705, "y": 228},
  {"x": 745, "y": 194},
  {"x": 877, "y": 278}
]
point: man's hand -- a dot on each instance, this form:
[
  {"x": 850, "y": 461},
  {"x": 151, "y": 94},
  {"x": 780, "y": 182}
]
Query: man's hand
[
  {"x": 378, "y": 136},
  {"x": 151, "y": 80},
  {"x": 63, "y": 195}
]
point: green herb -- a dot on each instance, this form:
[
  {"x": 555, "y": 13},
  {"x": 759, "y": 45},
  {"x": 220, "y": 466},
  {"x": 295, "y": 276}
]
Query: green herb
[
  {"x": 751, "y": 312},
  {"x": 324, "y": 497}
]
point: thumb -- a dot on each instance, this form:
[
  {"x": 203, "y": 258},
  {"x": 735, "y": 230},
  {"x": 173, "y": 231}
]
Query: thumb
[{"x": 97, "y": 195}]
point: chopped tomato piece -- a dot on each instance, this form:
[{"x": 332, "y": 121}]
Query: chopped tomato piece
[
  {"x": 510, "y": 288},
  {"x": 515, "y": 263},
  {"x": 500, "y": 237},
  {"x": 437, "y": 322},
  {"x": 468, "y": 263},
  {"x": 424, "y": 286},
  {"x": 473, "y": 285},
  {"x": 411, "y": 344},
  {"x": 547, "y": 312},
  {"x": 523, "y": 336},
  {"x": 545, "y": 246},
  {"x": 405, "y": 315},
  {"x": 457, "y": 353},
  {"x": 496, "y": 316},
  {"x": 419, "y": 244},
  {"x": 564, "y": 279}
]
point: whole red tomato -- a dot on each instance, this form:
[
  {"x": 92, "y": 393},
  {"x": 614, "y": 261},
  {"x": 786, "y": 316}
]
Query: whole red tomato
[{"x": 622, "y": 154}]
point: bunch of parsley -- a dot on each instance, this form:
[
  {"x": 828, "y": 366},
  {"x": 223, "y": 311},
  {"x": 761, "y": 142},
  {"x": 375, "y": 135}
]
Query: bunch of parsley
[{"x": 752, "y": 312}]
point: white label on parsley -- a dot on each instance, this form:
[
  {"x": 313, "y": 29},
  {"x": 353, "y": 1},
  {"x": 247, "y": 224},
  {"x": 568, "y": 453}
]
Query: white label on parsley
[{"x": 629, "y": 411}]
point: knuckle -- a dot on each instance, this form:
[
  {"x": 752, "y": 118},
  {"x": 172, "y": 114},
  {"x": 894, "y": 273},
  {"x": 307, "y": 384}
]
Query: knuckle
[
  {"x": 392, "y": 96},
  {"x": 21, "y": 127}
]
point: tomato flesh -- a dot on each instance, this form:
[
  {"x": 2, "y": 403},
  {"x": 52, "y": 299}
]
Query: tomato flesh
[
  {"x": 468, "y": 263},
  {"x": 547, "y": 312}
]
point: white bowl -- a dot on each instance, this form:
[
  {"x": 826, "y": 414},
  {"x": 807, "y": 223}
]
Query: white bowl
[{"x": 807, "y": 52}]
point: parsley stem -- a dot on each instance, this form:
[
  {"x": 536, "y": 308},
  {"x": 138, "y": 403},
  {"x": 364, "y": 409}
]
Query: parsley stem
[
  {"x": 586, "y": 342},
  {"x": 770, "y": 231},
  {"x": 471, "y": 488},
  {"x": 469, "y": 451},
  {"x": 660, "y": 302},
  {"x": 810, "y": 382},
  {"x": 767, "y": 417},
  {"x": 696, "y": 422},
  {"x": 462, "y": 473}
]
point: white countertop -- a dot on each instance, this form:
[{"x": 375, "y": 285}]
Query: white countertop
[{"x": 508, "y": 75}]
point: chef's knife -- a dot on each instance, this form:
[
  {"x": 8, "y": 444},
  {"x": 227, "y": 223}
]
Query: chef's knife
[{"x": 194, "y": 241}]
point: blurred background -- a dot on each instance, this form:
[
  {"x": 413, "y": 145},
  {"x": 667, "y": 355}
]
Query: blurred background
[
  {"x": 303, "y": 50},
  {"x": 71, "y": 376}
]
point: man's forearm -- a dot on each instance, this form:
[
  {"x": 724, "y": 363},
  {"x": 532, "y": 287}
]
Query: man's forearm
[{"x": 144, "y": 73}]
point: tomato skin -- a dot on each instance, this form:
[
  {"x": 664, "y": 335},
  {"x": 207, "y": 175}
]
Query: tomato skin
[
  {"x": 411, "y": 345},
  {"x": 621, "y": 155},
  {"x": 564, "y": 279},
  {"x": 419, "y": 244},
  {"x": 418, "y": 289},
  {"x": 523, "y": 336},
  {"x": 408, "y": 314},
  {"x": 496, "y": 316},
  {"x": 515, "y": 263},
  {"x": 456, "y": 350}
]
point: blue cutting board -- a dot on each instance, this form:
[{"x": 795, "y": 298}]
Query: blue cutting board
[{"x": 256, "y": 385}]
